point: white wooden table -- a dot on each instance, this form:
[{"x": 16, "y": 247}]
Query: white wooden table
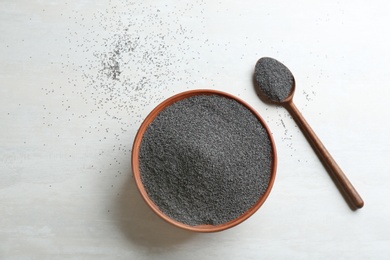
[{"x": 78, "y": 77}]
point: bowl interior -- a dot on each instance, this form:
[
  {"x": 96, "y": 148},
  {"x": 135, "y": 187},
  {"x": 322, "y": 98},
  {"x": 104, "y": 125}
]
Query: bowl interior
[{"x": 136, "y": 162}]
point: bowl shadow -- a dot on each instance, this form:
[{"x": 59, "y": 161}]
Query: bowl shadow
[{"x": 140, "y": 225}]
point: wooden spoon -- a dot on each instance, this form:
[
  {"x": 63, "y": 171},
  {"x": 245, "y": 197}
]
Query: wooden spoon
[{"x": 276, "y": 83}]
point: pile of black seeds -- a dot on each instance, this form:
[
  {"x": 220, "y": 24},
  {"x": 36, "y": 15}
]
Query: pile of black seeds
[
  {"x": 274, "y": 79},
  {"x": 205, "y": 159}
]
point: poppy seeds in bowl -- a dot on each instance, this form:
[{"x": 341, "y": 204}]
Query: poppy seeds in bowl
[{"x": 205, "y": 159}]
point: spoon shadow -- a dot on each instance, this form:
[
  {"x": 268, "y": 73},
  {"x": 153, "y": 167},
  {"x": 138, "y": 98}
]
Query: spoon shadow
[{"x": 141, "y": 225}]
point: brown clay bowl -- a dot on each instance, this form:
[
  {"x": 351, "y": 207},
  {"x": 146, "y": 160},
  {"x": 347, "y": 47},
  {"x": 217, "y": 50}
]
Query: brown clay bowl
[{"x": 137, "y": 175}]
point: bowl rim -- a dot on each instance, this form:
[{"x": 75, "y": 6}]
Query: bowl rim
[{"x": 137, "y": 175}]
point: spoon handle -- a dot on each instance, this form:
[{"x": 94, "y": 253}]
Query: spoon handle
[{"x": 325, "y": 156}]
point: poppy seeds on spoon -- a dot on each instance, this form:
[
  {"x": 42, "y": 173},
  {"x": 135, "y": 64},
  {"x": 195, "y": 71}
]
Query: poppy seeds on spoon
[
  {"x": 205, "y": 159},
  {"x": 274, "y": 79}
]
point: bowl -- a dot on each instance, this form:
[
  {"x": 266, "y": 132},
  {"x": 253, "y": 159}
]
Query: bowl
[{"x": 137, "y": 173}]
